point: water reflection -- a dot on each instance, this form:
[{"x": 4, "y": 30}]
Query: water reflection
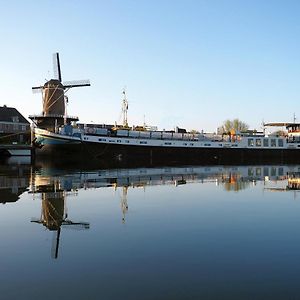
[
  {"x": 205, "y": 232},
  {"x": 54, "y": 215},
  {"x": 14, "y": 181},
  {"x": 294, "y": 181},
  {"x": 53, "y": 186},
  {"x": 231, "y": 178}
]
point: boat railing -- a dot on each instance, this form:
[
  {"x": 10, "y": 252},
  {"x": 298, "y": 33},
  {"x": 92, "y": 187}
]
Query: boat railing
[
  {"x": 37, "y": 116},
  {"x": 156, "y": 135}
]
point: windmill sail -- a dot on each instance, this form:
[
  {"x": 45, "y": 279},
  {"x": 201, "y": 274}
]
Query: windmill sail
[
  {"x": 76, "y": 83},
  {"x": 56, "y": 67}
]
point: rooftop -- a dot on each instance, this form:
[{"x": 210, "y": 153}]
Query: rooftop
[{"x": 11, "y": 114}]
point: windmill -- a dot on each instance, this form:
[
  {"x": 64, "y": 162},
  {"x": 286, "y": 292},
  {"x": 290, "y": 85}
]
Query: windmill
[{"x": 53, "y": 91}]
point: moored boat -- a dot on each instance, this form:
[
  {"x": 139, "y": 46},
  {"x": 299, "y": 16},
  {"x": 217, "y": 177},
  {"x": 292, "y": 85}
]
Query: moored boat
[{"x": 169, "y": 147}]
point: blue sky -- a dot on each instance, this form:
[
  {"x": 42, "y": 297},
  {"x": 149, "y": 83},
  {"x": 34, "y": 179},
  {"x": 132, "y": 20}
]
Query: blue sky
[{"x": 190, "y": 64}]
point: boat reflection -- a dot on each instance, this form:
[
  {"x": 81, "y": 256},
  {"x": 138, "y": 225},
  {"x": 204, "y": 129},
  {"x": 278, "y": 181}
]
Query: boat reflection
[
  {"x": 232, "y": 178},
  {"x": 293, "y": 183}
]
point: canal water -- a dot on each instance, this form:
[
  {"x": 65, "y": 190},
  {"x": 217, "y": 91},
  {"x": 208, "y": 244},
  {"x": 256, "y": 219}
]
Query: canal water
[{"x": 196, "y": 232}]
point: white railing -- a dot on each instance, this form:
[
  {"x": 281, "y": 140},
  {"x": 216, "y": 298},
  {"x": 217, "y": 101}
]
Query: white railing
[{"x": 53, "y": 116}]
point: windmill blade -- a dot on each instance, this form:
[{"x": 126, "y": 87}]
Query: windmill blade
[
  {"x": 75, "y": 225},
  {"x": 76, "y": 83},
  {"x": 56, "y": 67},
  {"x": 37, "y": 89},
  {"x": 35, "y": 220},
  {"x": 55, "y": 244}
]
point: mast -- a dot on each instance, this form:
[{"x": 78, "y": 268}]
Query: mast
[{"x": 124, "y": 109}]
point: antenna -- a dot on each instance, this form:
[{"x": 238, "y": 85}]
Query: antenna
[
  {"x": 124, "y": 109},
  {"x": 263, "y": 126}
]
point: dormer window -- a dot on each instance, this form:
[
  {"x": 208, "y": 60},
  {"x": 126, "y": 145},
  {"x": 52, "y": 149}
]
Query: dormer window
[{"x": 15, "y": 119}]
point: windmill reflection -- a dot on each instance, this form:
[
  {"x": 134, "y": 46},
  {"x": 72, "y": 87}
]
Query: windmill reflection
[{"x": 54, "y": 215}]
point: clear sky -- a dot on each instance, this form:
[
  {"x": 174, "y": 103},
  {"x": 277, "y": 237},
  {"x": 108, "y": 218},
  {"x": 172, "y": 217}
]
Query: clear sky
[{"x": 191, "y": 64}]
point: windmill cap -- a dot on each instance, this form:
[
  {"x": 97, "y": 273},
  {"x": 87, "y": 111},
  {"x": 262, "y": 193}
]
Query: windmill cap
[{"x": 53, "y": 83}]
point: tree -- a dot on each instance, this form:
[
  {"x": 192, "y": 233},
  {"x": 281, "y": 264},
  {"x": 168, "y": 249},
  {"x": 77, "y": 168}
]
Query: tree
[
  {"x": 194, "y": 131},
  {"x": 233, "y": 125},
  {"x": 279, "y": 133}
]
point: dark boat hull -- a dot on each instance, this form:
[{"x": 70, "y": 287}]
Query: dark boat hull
[{"x": 148, "y": 156}]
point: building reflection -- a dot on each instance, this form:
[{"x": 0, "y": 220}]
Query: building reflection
[{"x": 14, "y": 181}]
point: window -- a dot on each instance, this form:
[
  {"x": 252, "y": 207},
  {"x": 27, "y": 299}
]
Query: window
[
  {"x": 15, "y": 119},
  {"x": 273, "y": 143},
  {"x": 250, "y": 142},
  {"x": 266, "y": 171},
  {"x": 280, "y": 143},
  {"x": 143, "y": 142},
  {"x": 273, "y": 171},
  {"x": 168, "y": 143},
  {"x": 258, "y": 142},
  {"x": 266, "y": 143}
]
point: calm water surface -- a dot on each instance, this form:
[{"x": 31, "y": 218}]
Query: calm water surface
[{"x": 161, "y": 233}]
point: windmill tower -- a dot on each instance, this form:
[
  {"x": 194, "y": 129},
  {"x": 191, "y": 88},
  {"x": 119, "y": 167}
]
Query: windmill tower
[{"x": 54, "y": 99}]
